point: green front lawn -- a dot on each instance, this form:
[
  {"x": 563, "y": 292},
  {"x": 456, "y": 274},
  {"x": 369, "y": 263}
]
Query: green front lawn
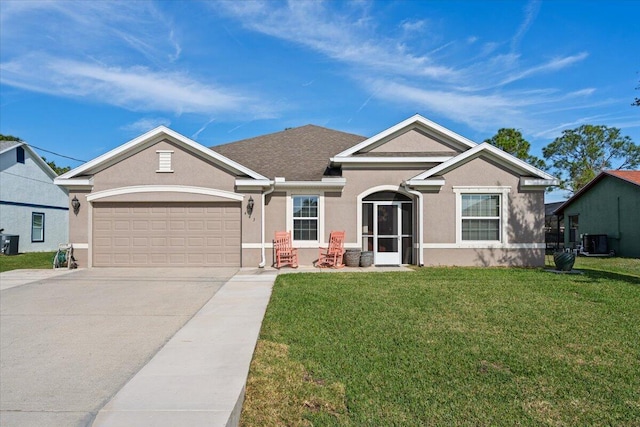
[
  {"x": 37, "y": 260},
  {"x": 449, "y": 346}
]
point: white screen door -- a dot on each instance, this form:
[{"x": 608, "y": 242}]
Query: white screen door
[{"x": 387, "y": 235}]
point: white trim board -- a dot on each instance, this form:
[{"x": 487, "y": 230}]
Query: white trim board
[
  {"x": 164, "y": 189},
  {"x": 482, "y": 245}
]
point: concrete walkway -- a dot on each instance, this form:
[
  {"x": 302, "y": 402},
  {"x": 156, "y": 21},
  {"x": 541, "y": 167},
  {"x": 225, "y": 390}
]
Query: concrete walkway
[{"x": 198, "y": 378}]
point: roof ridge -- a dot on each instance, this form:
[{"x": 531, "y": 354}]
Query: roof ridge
[{"x": 289, "y": 129}]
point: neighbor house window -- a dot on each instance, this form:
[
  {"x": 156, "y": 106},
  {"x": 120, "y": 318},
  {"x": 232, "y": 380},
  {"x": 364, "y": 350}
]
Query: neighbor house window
[
  {"x": 20, "y": 155},
  {"x": 37, "y": 227},
  {"x": 305, "y": 218},
  {"x": 480, "y": 217}
]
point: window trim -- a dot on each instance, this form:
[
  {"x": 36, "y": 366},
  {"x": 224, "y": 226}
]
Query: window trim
[
  {"x": 289, "y": 218},
  {"x": 503, "y": 192},
  {"x": 33, "y": 215}
]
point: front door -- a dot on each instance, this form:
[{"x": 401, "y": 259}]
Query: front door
[{"x": 386, "y": 236}]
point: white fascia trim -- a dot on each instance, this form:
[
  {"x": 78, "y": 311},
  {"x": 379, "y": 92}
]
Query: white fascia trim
[
  {"x": 154, "y": 134},
  {"x": 542, "y": 183},
  {"x": 164, "y": 189},
  {"x": 252, "y": 184},
  {"x": 425, "y": 183},
  {"x": 325, "y": 184},
  {"x": 406, "y": 123},
  {"x": 394, "y": 160},
  {"x": 503, "y": 158},
  {"x": 484, "y": 245},
  {"x": 75, "y": 183}
]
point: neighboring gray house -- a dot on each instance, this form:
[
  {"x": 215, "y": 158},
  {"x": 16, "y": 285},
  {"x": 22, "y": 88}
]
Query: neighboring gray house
[
  {"x": 416, "y": 193},
  {"x": 31, "y": 205}
]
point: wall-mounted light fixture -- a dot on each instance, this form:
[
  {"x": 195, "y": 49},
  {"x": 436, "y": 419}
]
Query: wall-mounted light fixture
[
  {"x": 250, "y": 204},
  {"x": 75, "y": 204}
]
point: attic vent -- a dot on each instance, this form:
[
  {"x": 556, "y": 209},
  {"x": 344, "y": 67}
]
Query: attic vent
[{"x": 164, "y": 160}]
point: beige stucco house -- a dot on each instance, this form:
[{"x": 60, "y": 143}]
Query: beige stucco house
[{"x": 416, "y": 193}]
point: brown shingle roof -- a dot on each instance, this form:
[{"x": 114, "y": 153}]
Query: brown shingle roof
[{"x": 298, "y": 154}]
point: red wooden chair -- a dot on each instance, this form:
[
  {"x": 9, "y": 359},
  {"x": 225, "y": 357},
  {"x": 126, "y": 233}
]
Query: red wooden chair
[
  {"x": 285, "y": 253},
  {"x": 332, "y": 256}
]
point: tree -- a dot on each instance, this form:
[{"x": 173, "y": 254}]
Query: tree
[
  {"x": 57, "y": 169},
  {"x": 512, "y": 141},
  {"x": 9, "y": 138},
  {"x": 636, "y": 103},
  {"x": 580, "y": 154}
]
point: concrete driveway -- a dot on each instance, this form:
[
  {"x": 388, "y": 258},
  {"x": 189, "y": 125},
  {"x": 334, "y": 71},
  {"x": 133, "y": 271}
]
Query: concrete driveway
[{"x": 69, "y": 342}]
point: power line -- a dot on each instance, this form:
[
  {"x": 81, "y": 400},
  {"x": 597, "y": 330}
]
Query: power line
[{"x": 57, "y": 154}]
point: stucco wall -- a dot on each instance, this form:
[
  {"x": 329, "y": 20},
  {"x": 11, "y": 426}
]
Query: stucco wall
[
  {"x": 415, "y": 141},
  {"x": 140, "y": 169}
]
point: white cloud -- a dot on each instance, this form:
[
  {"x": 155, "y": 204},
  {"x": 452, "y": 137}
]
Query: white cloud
[
  {"x": 412, "y": 26},
  {"x": 135, "y": 88},
  {"x": 335, "y": 35},
  {"x": 145, "y": 124},
  {"x": 550, "y": 66},
  {"x": 125, "y": 54},
  {"x": 531, "y": 12}
]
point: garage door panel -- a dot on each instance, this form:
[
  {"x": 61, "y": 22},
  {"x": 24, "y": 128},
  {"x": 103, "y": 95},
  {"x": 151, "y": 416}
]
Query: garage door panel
[
  {"x": 232, "y": 225},
  {"x": 149, "y": 234}
]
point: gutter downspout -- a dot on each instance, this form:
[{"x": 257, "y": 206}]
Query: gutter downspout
[
  {"x": 419, "y": 222},
  {"x": 271, "y": 189}
]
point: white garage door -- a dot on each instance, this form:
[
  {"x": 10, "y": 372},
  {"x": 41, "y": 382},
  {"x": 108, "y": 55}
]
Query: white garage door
[{"x": 166, "y": 234}]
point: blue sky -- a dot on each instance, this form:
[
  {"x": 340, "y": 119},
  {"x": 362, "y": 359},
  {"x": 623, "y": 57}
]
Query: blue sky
[{"x": 80, "y": 78}]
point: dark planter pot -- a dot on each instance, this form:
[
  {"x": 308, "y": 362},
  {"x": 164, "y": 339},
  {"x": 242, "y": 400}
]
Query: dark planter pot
[
  {"x": 352, "y": 257},
  {"x": 366, "y": 259},
  {"x": 564, "y": 260}
]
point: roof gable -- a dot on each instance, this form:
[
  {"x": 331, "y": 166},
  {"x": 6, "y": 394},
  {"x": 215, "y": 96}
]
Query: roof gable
[
  {"x": 485, "y": 149},
  {"x": 435, "y": 134},
  {"x": 150, "y": 138},
  {"x": 632, "y": 177},
  {"x": 6, "y": 146}
]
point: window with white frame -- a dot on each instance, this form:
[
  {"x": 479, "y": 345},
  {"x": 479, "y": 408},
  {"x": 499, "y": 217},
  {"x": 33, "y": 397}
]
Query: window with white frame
[
  {"x": 37, "y": 227},
  {"x": 305, "y": 218},
  {"x": 481, "y": 217}
]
